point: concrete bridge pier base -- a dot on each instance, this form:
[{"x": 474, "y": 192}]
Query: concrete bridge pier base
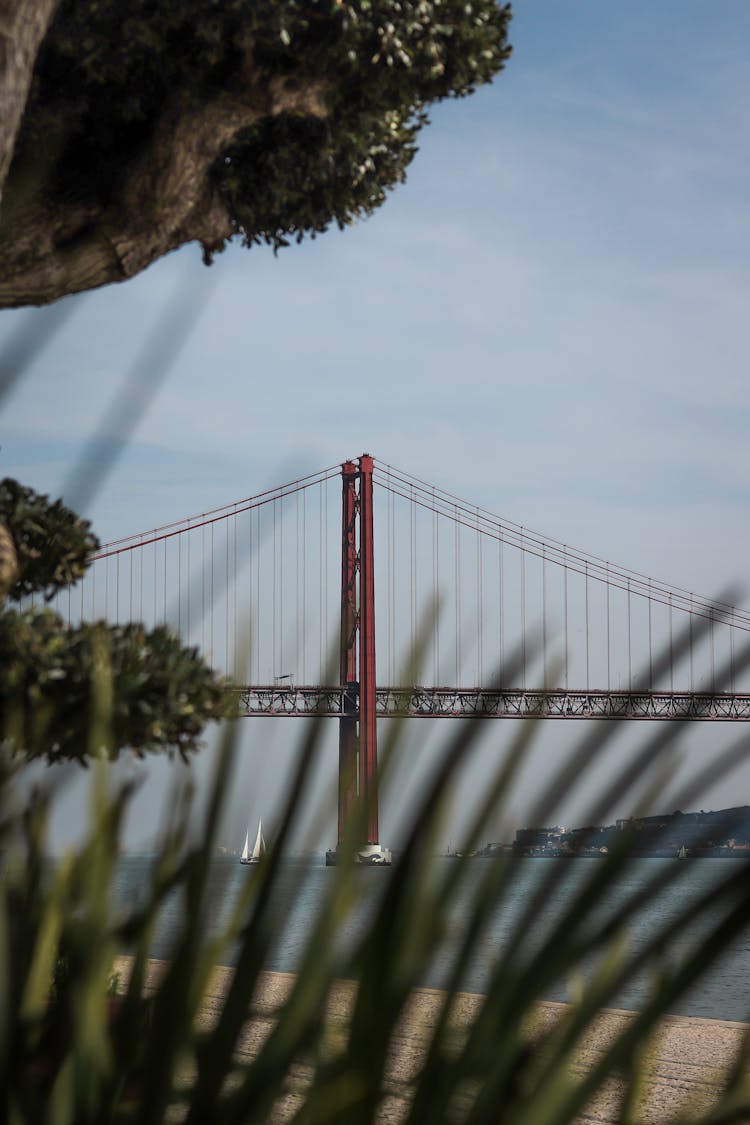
[{"x": 368, "y": 855}]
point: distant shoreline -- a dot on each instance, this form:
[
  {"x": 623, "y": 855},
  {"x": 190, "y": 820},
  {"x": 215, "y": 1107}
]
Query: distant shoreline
[{"x": 718, "y": 853}]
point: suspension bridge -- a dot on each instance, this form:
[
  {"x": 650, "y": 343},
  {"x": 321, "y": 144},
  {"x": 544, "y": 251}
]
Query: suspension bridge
[{"x": 475, "y": 616}]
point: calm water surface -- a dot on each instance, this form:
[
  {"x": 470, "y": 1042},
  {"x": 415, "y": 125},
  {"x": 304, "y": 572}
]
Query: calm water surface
[{"x": 723, "y": 994}]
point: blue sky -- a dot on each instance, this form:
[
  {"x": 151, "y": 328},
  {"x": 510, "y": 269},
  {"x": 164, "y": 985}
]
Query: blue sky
[{"x": 550, "y": 318}]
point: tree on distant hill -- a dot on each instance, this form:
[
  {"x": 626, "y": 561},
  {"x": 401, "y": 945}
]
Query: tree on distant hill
[
  {"x": 74, "y": 692},
  {"x": 131, "y": 129}
]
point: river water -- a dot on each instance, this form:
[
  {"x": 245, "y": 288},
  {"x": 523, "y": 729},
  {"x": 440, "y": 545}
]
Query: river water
[{"x": 724, "y": 993}]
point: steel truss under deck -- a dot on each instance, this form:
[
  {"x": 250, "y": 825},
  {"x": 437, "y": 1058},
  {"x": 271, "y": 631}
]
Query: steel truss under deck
[{"x": 485, "y": 703}]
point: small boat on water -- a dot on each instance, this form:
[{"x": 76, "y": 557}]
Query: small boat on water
[
  {"x": 259, "y": 847},
  {"x": 682, "y": 853}
]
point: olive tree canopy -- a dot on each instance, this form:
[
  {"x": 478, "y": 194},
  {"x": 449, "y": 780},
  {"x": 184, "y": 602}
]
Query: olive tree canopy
[
  {"x": 72, "y": 692},
  {"x": 129, "y": 129}
]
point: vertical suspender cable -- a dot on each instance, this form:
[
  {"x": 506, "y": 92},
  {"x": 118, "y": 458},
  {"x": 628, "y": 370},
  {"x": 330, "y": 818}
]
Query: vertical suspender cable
[
  {"x": 523, "y": 612},
  {"x": 130, "y": 586},
  {"x": 256, "y": 603},
  {"x": 412, "y": 580},
  {"x": 283, "y": 582},
  {"x": 565, "y": 614},
  {"x": 117, "y": 590},
  {"x": 671, "y": 647},
  {"x": 711, "y": 623},
  {"x": 164, "y": 615},
  {"x": 189, "y": 586},
  {"x": 650, "y": 648},
  {"x": 235, "y": 622},
  {"x": 413, "y": 584},
  {"x": 457, "y": 546},
  {"x": 480, "y": 669},
  {"x": 250, "y": 619},
  {"x": 253, "y": 541},
  {"x": 501, "y": 607},
  {"x": 690, "y": 641},
  {"x": 274, "y": 608},
  {"x": 435, "y": 597},
  {"x": 203, "y": 587},
  {"x": 630, "y": 644},
  {"x": 141, "y": 554},
  {"x": 438, "y": 598},
  {"x": 306, "y": 632},
  {"x": 388, "y": 581},
  {"x": 179, "y": 584},
  {"x": 322, "y": 617},
  {"x": 303, "y": 599},
  {"x": 395, "y": 640},
  {"x": 545, "y": 684},
  {"x": 326, "y": 558},
  {"x": 731, "y": 656},
  {"x": 588, "y": 677},
  {"x": 282, "y": 598},
  {"x": 299, "y": 655},
  {"x": 394, "y": 595},
  {"x": 211, "y": 598},
  {"x": 609, "y": 637},
  {"x": 323, "y": 624},
  {"x": 227, "y": 532}
]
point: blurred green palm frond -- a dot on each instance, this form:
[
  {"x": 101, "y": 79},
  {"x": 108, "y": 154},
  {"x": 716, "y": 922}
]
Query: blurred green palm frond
[{"x": 351, "y": 1037}]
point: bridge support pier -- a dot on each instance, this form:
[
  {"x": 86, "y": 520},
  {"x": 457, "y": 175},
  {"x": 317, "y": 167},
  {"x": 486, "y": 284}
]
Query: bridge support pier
[{"x": 358, "y": 745}]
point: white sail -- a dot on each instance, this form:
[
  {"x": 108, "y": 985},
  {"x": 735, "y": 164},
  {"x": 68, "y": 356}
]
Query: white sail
[{"x": 259, "y": 848}]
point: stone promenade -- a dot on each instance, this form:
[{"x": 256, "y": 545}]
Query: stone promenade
[{"x": 686, "y": 1065}]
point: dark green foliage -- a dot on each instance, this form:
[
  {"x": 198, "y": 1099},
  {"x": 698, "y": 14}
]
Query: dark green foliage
[
  {"x": 293, "y": 176},
  {"x": 55, "y": 680},
  {"x": 105, "y": 75},
  {"x": 53, "y": 545},
  {"x": 73, "y": 693}
]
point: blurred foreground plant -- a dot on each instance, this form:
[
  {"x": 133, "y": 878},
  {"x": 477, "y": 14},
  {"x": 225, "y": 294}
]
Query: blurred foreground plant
[{"x": 166, "y": 1049}]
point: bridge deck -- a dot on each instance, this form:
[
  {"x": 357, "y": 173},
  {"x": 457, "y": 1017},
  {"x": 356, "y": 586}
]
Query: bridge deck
[{"x": 508, "y": 703}]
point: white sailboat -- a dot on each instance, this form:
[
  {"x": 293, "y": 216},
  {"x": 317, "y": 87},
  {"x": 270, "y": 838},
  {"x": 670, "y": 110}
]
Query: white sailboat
[{"x": 259, "y": 847}]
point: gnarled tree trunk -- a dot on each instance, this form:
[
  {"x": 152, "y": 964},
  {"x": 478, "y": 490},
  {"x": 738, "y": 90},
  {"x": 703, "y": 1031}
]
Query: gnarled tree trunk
[
  {"x": 51, "y": 247},
  {"x": 23, "y": 24}
]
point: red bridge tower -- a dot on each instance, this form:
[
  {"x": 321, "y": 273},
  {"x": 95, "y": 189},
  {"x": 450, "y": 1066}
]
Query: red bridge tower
[{"x": 358, "y": 736}]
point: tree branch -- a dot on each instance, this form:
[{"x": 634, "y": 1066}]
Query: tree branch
[{"x": 166, "y": 201}]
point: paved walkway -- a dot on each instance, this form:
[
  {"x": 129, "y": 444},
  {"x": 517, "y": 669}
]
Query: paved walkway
[{"x": 687, "y": 1064}]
